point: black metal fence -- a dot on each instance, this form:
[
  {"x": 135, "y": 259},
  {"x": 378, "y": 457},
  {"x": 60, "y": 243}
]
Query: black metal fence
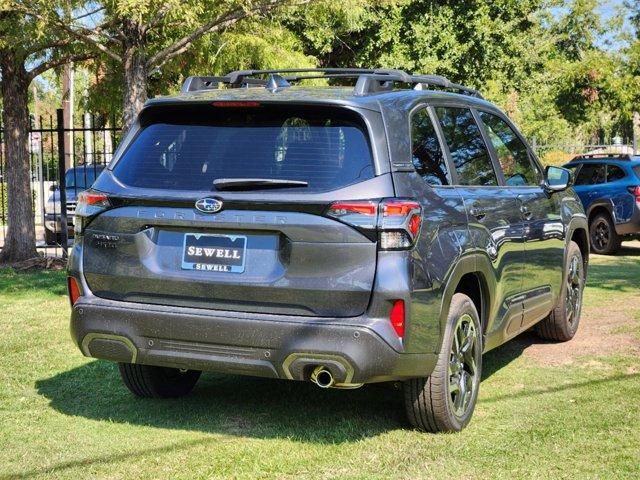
[
  {"x": 64, "y": 162},
  {"x": 72, "y": 157},
  {"x": 561, "y": 153}
]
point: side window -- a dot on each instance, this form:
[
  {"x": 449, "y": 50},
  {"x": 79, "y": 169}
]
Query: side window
[
  {"x": 591, "y": 174},
  {"x": 426, "y": 154},
  {"x": 513, "y": 155},
  {"x": 614, "y": 173},
  {"x": 468, "y": 151}
]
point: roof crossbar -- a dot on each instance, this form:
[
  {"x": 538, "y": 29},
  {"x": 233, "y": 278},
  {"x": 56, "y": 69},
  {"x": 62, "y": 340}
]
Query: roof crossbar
[{"x": 368, "y": 81}]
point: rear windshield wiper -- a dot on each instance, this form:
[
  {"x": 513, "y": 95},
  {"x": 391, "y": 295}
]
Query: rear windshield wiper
[{"x": 256, "y": 183}]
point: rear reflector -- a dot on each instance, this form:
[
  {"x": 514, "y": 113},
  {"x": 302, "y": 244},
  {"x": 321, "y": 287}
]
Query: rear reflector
[
  {"x": 74, "y": 290},
  {"x": 397, "y": 317}
]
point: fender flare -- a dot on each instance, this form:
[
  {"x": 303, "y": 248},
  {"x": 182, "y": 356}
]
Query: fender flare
[
  {"x": 475, "y": 263},
  {"x": 605, "y": 203}
]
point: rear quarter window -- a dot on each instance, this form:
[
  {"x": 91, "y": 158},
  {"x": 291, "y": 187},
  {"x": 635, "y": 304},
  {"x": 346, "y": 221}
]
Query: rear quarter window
[{"x": 189, "y": 148}]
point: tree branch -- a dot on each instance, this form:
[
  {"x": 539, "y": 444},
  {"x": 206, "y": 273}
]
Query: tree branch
[
  {"x": 157, "y": 19},
  {"x": 215, "y": 25},
  {"x": 46, "y": 46},
  {"x": 83, "y": 34},
  {"x": 56, "y": 62},
  {"x": 88, "y": 14}
]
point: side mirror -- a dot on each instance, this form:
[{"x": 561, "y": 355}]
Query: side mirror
[
  {"x": 557, "y": 179},
  {"x": 52, "y": 187}
]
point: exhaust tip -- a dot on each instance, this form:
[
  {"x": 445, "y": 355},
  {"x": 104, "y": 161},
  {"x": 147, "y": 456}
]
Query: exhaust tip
[{"x": 322, "y": 377}]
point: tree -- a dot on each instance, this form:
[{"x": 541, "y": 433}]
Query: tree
[
  {"x": 27, "y": 49},
  {"x": 143, "y": 35}
]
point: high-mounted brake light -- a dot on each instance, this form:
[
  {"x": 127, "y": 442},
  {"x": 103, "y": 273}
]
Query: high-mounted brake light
[
  {"x": 74, "y": 290},
  {"x": 396, "y": 317},
  {"x": 236, "y": 104}
]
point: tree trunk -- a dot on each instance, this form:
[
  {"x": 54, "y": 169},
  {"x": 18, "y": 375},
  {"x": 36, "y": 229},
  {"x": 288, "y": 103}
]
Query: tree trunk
[
  {"x": 20, "y": 241},
  {"x": 135, "y": 72}
]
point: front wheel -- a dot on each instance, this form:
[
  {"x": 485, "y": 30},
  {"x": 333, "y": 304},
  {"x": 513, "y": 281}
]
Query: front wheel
[
  {"x": 444, "y": 401},
  {"x": 157, "y": 382},
  {"x": 562, "y": 323}
]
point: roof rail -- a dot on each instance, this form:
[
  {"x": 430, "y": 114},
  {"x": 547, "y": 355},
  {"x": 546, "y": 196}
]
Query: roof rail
[
  {"x": 368, "y": 81},
  {"x": 590, "y": 156}
]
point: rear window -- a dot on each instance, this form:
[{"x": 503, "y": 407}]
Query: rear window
[
  {"x": 179, "y": 149},
  {"x": 637, "y": 170}
]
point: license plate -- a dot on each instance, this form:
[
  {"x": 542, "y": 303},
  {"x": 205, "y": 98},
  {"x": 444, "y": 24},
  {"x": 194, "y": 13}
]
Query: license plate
[{"x": 214, "y": 253}]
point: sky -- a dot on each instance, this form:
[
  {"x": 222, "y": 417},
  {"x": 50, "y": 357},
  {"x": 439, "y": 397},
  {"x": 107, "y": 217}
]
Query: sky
[{"x": 609, "y": 9}]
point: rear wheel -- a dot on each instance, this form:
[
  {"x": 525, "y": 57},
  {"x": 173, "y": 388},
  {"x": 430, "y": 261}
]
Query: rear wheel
[
  {"x": 604, "y": 239},
  {"x": 158, "y": 382},
  {"x": 562, "y": 323},
  {"x": 444, "y": 401}
]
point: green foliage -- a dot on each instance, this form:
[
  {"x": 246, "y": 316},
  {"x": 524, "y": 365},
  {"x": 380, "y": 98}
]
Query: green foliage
[{"x": 543, "y": 61}]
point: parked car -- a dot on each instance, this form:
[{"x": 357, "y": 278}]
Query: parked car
[
  {"x": 77, "y": 179},
  {"x": 609, "y": 187},
  {"x": 391, "y": 232}
]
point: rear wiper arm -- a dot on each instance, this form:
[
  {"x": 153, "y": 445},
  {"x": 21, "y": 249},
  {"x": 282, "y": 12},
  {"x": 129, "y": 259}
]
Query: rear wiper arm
[{"x": 256, "y": 183}]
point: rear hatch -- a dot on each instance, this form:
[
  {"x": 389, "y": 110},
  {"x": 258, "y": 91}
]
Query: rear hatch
[{"x": 223, "y": 206}]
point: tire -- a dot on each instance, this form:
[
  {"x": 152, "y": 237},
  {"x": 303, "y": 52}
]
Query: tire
[
  {"x": 562, "y": 323},
  {"x": 603, "y": 236},
  {"x": 431, "y": 403},
  {"x": 51, "y": 238},
  {"x": 157, "y": 382}
]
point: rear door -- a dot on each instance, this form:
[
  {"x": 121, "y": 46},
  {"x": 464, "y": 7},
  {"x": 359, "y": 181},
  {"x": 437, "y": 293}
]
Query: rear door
[
  {"x": 195, "y": 224},
  {"x": 494, "y": 219},
  {"x": 543, "y": 228}
]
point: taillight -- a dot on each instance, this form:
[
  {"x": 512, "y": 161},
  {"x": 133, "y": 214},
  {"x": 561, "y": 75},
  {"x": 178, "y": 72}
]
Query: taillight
[
  {"x": 397, "y": 220},
  {"x": 362, "y": 214},
  {"x": 399, "y": 224},
  {"x": 397, "y": 317},
  {"x": 635, "y": 191},
  {"x": 90, "y": 203},
  {"x": 74, "y": 290}
]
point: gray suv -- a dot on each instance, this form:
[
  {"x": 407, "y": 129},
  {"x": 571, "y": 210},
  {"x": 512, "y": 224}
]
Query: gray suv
[{"x": 391, "y": 231}]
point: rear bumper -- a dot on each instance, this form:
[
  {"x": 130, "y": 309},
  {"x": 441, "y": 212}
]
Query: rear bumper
[
  {"x": 275, "y": 346},
  {"x": 631, "y": 227},
  {"x": 53, "y": 223}
]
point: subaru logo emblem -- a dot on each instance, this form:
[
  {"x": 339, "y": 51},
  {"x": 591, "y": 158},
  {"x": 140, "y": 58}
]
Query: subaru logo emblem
[{"x": 209, "y": 205}]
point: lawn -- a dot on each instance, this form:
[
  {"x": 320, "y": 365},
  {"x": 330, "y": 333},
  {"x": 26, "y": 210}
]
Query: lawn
[{"x": 545, "y": 411}]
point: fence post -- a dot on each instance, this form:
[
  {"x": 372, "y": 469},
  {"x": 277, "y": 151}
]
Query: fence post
[
  {"x": 635, "y": 127},
  {"x": 62, "y": 184}
]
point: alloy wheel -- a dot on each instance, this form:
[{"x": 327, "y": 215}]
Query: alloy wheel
[
  {"x": 463, "y": 371},
  {"x": 601, "y": 236},
  {"x": 574, "y": 289}
]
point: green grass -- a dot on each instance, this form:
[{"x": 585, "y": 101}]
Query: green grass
[{"x": 66, "y": 416}]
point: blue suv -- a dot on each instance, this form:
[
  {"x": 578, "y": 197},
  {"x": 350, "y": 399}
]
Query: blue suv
[{"x": 609, "y": 187}]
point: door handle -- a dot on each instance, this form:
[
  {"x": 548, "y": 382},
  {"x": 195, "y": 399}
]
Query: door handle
[
  {"x": 479, "y": 213},
  {"x": 526, "y": 213}
]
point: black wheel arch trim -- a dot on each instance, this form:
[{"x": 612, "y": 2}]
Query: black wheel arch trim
[{"x": 472, "y": 263}]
